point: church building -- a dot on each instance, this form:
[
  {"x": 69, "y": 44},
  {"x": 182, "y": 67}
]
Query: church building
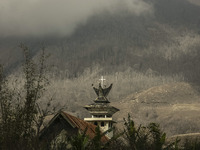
[
  {"x": 65, "y": 124},
  {"x": 101, "y": 111}
]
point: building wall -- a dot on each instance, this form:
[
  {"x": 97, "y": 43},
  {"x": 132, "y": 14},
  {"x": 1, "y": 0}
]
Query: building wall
[
  {"x": 54, "y": 130},
  {"x": 105, "y": 127}
]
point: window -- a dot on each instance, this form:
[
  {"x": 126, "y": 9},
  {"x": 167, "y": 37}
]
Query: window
[
  {"x": 102, "y": 124},
  {"x": 95, "y": 123},
  {"x": 110, "y": 124}
]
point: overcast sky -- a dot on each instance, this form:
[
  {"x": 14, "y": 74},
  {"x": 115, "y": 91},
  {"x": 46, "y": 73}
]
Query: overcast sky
[{"x": 57, "y": 17}]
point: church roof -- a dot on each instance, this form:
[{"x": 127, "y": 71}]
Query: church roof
[
  {"x": 102, "y": 107},
  {"x": 101, "y": 103},
  {"x": 77, "y": 123},
  {"x": 102, "y": 93}
]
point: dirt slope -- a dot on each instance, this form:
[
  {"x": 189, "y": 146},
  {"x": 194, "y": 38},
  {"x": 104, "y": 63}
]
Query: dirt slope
[{"x": 175, "y": 106}]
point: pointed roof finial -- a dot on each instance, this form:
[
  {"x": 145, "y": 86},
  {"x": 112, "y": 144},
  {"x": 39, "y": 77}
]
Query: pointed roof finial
[{"x": 102, "y": 93}]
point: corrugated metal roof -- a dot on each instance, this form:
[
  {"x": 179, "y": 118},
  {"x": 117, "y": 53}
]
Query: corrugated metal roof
[{"x": 82, "y": 125}]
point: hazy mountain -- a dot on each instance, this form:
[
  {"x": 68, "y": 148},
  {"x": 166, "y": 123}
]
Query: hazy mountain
[
  {"x": 135, "y": 50},
  {"x": 195, "y": 2},
  {"x": 165, "y": 41}
]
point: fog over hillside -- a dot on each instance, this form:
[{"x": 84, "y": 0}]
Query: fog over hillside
[
  {"x": 57, "y": 18},
  {"x": 135, "y": 44}
]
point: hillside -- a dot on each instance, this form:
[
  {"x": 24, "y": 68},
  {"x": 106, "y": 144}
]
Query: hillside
[
  {"x": 185, "y": 138},
  {"x": 165, "y": 41},
  {"x": 175, "y": 106},
  {"x": 152, "y": 54}
]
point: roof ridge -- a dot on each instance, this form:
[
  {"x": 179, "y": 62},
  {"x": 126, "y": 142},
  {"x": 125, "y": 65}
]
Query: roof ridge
[{"x": 82, "y": 125}]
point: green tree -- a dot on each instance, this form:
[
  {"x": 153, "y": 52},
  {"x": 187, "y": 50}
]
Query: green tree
[
  {"x": 191, "y": 145},
  {"x": 158, "y": 139},
  {"x": 136, "y": 137},
  {"x": 96, "y": 142},
  {"x": 143, "y": 138},
  {"x": 79, "y": 142}
]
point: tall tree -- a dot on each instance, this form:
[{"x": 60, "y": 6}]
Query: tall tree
[{"x": 20, "y": 113}]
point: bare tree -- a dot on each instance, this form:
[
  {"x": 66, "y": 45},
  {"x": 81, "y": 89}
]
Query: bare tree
[{"x": 20, "y": 114}]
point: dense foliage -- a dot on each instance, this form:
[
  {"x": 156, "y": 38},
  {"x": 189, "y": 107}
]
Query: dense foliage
[{"x": 20, "y": 115}]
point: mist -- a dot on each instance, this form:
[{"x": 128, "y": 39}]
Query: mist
[{"x": 40, "y": 18}]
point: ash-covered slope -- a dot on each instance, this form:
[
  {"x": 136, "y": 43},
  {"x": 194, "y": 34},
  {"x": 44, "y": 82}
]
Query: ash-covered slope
[
  {"x": 166, "y": 41},
  {"x": 175, "y": 106}
]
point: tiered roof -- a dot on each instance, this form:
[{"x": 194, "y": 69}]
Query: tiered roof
[{"x": 100, "y": 105}]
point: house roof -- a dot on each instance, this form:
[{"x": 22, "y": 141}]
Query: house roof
[{"x": 78, "y": 123}]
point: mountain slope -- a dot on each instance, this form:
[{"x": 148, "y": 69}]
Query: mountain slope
[
  {"x": 175, "y": 106},
  {"x": 166, "y": 41}
]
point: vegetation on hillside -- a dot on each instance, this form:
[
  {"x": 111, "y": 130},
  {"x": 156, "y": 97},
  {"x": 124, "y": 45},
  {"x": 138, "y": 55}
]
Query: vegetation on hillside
[
  {"x": 135, "y": 52},
  {"x": 21, "y": 118},
  {"x": 166, "y": 41}
]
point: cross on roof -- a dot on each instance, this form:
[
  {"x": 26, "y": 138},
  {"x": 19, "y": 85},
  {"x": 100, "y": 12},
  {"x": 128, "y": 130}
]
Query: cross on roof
[{"x": 102, "y": 79}]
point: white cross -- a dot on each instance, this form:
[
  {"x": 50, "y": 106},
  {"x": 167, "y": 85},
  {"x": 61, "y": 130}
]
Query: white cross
[{"x": 102, "y": 79}]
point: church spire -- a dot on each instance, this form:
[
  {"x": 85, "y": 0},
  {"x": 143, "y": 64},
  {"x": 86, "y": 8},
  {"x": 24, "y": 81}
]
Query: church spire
[
  {"x": 101, "y": 110},
  {"x": 102, "y": 93}
]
